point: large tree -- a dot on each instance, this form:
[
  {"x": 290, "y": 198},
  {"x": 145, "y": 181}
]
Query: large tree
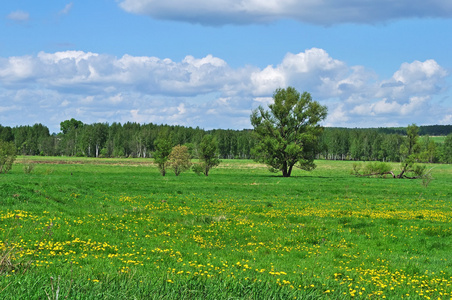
[{"x": 287, "y": 133}]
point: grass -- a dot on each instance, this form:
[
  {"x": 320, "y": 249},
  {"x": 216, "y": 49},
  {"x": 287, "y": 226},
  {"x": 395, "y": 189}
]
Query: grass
[
  {"x": 438, "y": 139},
  {"x": 116, "y": 229}
]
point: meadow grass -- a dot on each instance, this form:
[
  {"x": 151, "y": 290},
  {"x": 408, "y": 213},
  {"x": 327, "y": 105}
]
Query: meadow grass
[
  {"x": 438, "y": 139},
  {"x": 116, "y": 229}
]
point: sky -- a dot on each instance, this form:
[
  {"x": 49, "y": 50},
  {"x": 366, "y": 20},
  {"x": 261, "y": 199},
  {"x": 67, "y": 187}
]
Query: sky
[{"x": 209, "y": 63}]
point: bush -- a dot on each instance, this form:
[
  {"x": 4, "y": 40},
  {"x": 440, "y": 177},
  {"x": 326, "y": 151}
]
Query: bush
[
  {"x": 197, "y": 168},
  {"x": 28, "y": 166},
  {"x": 377, "y": 168},
  {"x": 371, "y": 169}
]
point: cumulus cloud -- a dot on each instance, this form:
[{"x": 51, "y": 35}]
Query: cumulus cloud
[
  {"x": 219, "y": 12},
  {"x": 420, "y": 78},
  {"x": 207, "y": 92},
  {"x": 312, "y": 68}
]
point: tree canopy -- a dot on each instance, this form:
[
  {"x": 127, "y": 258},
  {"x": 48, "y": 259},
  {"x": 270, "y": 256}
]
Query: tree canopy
[
  {"x": 208, "y": 153},
  {"x": 179, "y": 159},
  {"x": 288, "y": 132},
  {"x": 163, "y": 149},
  {"x": 7, "y": 156},
  {"x": 138, "y": 140}
]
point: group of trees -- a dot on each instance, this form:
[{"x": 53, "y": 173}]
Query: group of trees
[
  {"x": 375, "y": 145},
  {"x": 411, "y": 153},
  {"x": 285, "y": 135},
  {"x": 178, "y": 158},
  {"x": 288, "y": 134},
  {"x": 137, "y": 140},
  {"x": 120, "y": 140}
]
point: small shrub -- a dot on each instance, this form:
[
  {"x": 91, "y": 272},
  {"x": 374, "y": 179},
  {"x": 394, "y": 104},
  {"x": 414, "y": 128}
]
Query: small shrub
[
  {"x": 28, "y": 166},
  {"x": 371, "y": 169},
  {"x": 197, "y": 168},
  {"x": 377, "y": 168},
  {"x": 356, "y": 168}
]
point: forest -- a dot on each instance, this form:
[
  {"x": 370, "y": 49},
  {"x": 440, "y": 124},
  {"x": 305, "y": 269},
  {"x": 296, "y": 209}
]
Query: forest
[{"x": 137, "y": 140}]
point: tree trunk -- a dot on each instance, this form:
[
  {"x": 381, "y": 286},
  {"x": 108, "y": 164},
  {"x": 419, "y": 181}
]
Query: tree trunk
[
  {"x": 286, "y": 171},
  {"x": 290, "y": 171}
]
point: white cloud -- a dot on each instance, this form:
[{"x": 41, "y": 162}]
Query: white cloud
[
  {"x": 312, "y": 68},
  {"x": 219, "y": 12},
  {"x": 66, "y": 9},
  {"x": 337, "y": 116},
  {"x": 19, "y": 16},
  {"x": 87, "y": 100},
  {"x": 420, "y": 78},
  {"x": 16, "y": 68},
  {"x": 4, "y": 109},
  {"x": 207, "y": 92},
  {"x": 446, "y": 120},
  {"x": 116, "y": 99},
  {"x": 385, "y": 107}
]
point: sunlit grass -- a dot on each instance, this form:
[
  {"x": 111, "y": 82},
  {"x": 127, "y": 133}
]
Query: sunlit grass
[{"x": 120, "y": 230}]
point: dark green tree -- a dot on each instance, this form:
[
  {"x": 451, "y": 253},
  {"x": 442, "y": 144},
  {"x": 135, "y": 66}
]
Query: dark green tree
[
  {"x": 208, "y": 153},
  {"x": 288, "y": 132},
  {"x": 6, "y": 134},
  {"x": 70, "y": 142},
  {"x": 163, "y": 149},
  {"x": 447, "y": 150},
  {"x": 69, "y": 125}
]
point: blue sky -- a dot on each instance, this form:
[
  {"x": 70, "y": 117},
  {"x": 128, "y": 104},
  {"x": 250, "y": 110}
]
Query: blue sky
[{"x": 209, "y": 63}]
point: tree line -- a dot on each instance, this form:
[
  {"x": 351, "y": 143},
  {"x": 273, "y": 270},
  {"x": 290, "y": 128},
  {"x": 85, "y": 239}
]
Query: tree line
[
  {"x": 138, "y": 140},
  {"x": 378, "y": 145},
  {"x": 120, "y": 140}
]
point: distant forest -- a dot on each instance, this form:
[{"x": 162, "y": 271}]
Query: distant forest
[{"x": 137, "y": 140}]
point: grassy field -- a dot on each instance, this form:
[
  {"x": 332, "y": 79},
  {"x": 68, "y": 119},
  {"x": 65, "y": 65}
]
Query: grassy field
[
  {"x": 438, "y": 139},
  {"x": 116, "y": 229}
]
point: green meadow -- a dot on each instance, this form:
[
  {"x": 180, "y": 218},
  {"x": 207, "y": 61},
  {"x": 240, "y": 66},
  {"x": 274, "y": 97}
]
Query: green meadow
[{"x": 80, "y": 228}]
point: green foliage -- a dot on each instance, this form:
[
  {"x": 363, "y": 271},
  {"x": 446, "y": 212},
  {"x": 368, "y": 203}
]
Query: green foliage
[
  {"x": 419, "y": 170},
  {"x": 208, "y": 153},
  {"x": 379, "y": 168},
  {"x": 179, "y": 159},
  {"x": 197, "y": 168},
  {"x": 70, "y": 125},
  {"x": 409, "y": 151},
  {"x": 28, "y": 166},
  {"x": 375, "y": 168},
  {"x": 447, "y": 149},
  {"x": 163, "y": 149},
  {"x": 137, "y": 140},
  {"x": 288, "y": 132},
  {"x": 7, "y": 156}
]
